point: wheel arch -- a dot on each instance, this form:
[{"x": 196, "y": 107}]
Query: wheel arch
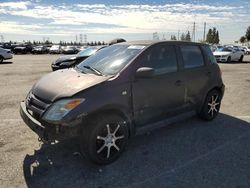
[
  {"x": 217, "y": 88},
  {"x": 116, "y": 111}
]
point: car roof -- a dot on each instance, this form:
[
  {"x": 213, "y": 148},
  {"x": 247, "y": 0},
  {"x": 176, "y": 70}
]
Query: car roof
[{"x": 152, "y": 42}]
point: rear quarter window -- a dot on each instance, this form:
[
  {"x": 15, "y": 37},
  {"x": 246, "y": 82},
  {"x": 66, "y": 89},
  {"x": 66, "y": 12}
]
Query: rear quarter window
[{"x": 192, "y": 56}]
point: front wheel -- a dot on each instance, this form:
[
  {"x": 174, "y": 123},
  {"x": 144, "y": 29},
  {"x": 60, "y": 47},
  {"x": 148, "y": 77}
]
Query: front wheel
[
  {"x": 229, "y": 59},
  {"x": 211, "y": 106},
  {"x": 1, "y": 59},
  {"x": 104, "y": 138}
]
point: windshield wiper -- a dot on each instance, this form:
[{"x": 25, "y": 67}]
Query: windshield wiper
[
  {"x": 93, "y": 69},
  {"x": 79, "y": 70}
]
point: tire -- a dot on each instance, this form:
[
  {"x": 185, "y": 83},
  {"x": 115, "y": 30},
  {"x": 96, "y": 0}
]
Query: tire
[
  {"x": 1, "y": 59},
  {"x": 104, "y": 138},
  {"x": 211, "y": 106},
  {"x": 229, "y": 59},
  {"x": 241, "y": 58}
]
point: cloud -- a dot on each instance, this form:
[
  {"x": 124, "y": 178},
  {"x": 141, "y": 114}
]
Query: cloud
[
  {"x": 77, "y": 18},
  {"x": 22, "y": 5},
  {"x": 15, "y": 27}
]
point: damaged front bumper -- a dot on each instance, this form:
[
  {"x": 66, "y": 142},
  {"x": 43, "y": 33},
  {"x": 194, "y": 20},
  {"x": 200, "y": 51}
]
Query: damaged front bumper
[{"x": 50, "y": 132}]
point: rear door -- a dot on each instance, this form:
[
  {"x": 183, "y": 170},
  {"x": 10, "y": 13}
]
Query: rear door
[
  {"x": 157, "y": 96},
  {"x": 197, "y": 74}
]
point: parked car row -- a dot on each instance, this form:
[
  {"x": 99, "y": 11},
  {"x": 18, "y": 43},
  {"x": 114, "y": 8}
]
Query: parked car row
[
  {"x": 68, "y": 61},
  {"x": 42, "y": 49},
  {"x": 244, "y": 49}
]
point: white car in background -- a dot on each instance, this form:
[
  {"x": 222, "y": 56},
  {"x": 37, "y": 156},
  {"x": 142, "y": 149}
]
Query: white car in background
[
  {"x": 227, "y": 54},
  {"x": 5, "y": 54},
  {"x": 247, "y": 49},
  {"x": 55, "y": 49}
]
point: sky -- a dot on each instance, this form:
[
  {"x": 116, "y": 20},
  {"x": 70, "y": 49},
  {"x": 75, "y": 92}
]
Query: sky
[{"x": 132, "y": 20}]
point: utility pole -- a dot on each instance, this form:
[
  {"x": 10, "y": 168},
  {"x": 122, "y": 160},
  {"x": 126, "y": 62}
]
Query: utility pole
[
  {"x": 76, "y": 38},
  {"x": 2, "y": 39},
  {"x": 178, "y": 34},
  {"x": 81, "y": 39},
  {"x": 193, "y": 34},
  {"x": 204, "y": 35},
  {"x": 85, "y": 39}
]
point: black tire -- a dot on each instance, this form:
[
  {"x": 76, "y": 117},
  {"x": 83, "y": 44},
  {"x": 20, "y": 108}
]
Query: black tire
[
  {"x": 241, "y": 58},
  {"x": 229, "y": 59},
  {"x": 211, "y": 109},
  {"x": 96, "y": 142},
  {"x": 1, "y": 59}
]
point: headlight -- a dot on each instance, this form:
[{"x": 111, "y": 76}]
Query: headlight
[{"x": 60, "y": 108}]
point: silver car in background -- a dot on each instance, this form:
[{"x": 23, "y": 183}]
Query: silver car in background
[{"x": 5, "y": 54}]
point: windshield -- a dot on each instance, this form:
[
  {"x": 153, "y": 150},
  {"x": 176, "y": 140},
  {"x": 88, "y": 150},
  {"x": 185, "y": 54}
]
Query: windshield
[
  {"x": 224, "y": 50},
  {"x": 111, "y": 60},
  {"x": 87, "y": 52}
]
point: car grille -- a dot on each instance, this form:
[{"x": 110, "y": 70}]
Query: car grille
[
  {"x": 217, "y": 56},
  {"x": 36, "y": 106}
]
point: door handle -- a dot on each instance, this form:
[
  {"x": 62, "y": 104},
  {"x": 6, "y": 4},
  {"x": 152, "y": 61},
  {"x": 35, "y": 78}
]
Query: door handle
[
  {"x": 209, "y": 73},
  {"x": 178, "y": 82}
]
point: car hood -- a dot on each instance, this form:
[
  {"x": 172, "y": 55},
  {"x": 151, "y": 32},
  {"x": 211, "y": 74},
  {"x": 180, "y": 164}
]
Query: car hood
[
  {"x": 65, "y": 83},
  {"x": 222, "y": 53},
  {"x": 65, "y": 58}
]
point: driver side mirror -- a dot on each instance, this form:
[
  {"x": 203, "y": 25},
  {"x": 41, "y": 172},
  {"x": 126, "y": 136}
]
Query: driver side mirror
[{"x": 145, "y": 72}]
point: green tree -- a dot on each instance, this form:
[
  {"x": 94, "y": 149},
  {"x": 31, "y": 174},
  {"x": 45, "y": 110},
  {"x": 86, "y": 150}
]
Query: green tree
[
  {"x": 217, "y": 38},
  {"x": 209, "y": 36},
  {"x": 213, "y": 36},
  {"x": 188, "y": 37},
  {"x": 183, "y": 37},
  {"x": 242, "y": 39},
  {"x": 173, "y": 37},
  {"x": 248, "y": 34}
]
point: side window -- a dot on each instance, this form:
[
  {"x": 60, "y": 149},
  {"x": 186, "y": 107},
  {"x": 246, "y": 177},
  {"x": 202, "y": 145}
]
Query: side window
[
  {"x": 209, "y": 54},
  {"x": 192, "y": 56},
  {"x": 162, "y": 58}
]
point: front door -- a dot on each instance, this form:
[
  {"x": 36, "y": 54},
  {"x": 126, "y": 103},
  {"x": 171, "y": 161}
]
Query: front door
[{"x": 161, "y": 94}]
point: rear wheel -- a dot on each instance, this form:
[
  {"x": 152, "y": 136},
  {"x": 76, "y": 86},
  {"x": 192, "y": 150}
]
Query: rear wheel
[
  {"x": 211, "y": 105},
  {"x": 229, "y": 59},
  {"x": 104, "y": 138},
  {"x": 241, "y": 58},
  {"x": 1, "y": 59}
]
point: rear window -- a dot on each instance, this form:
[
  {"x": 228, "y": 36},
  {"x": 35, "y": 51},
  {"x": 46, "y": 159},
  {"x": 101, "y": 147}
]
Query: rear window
[
  {"x": 209, "y": 54},
  {"x": 192, "y": 56}
]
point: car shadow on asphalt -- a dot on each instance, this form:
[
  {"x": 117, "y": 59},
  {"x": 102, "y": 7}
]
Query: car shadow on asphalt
[
  {"x": 161, "y": 151},
  {"x": 235, "y": 62}
]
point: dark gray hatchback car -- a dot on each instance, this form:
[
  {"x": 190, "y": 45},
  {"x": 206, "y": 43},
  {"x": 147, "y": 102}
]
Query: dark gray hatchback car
[{"x": 123, "y": 90}]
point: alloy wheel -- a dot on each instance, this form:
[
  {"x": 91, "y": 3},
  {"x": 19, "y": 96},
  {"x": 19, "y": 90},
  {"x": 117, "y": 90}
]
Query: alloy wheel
[
  {"x": 109, "y": 141},
  {"x": 213, "y": 105}
]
